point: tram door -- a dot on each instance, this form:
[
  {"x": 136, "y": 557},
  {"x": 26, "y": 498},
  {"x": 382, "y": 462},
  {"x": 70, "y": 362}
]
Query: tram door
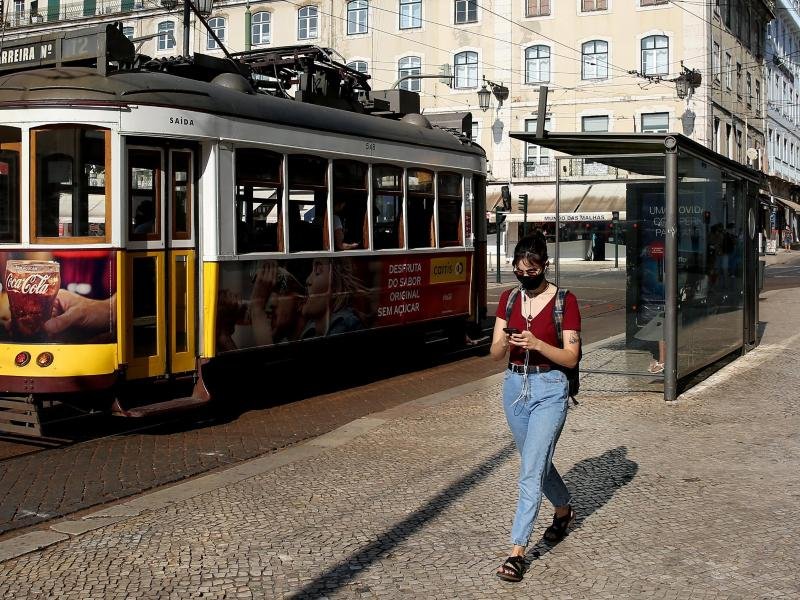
[{"x": 160, "y": 266}]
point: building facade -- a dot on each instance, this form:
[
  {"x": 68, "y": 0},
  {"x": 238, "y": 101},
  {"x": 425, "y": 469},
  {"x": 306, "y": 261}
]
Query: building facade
[
  {"x": 783, "y": 121},
  {"x": 609, "y": 65}
]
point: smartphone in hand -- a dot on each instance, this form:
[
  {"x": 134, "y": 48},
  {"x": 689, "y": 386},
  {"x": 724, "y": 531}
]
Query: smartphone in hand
[{"x": 511, "y": 330}]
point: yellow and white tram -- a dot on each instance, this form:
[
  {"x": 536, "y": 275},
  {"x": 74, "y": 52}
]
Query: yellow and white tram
[{"x": 153, "y": 221}]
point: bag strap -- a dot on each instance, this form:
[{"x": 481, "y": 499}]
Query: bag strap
[
  {"x": 558, "y": 314},
  {"x": 558, "y": 319},
  {"x": 512, "y": 297}
]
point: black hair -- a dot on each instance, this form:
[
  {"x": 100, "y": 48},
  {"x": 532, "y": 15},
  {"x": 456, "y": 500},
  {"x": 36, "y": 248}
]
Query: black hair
[{"x": 532, "y": 247}]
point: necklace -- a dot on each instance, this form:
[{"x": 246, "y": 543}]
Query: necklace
[{"x": 532, "y": 306}]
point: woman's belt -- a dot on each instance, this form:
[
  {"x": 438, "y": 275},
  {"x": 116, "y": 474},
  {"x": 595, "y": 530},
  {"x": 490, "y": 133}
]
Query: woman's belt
[{"x": 515, "y": 368}]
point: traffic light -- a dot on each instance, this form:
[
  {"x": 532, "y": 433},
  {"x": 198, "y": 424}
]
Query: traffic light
[{"x": 523, "y": 203}]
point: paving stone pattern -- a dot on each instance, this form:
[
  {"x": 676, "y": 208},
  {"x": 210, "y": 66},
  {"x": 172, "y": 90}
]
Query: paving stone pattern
[
  {"x": 37, "y": 487},
  {"x": 694, "y": 500}
]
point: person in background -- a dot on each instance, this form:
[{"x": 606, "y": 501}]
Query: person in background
[
  {"x": 787, "y": 238},
  {"x": 338, "y": 227},
  {"x": 535, "y": 393}
]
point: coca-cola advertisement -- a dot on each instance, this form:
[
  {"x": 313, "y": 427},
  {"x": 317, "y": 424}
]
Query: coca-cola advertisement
[{"x": 58, "y": 296}]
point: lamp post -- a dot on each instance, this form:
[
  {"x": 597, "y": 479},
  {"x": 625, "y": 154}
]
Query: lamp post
[{"x": 484, "y": 95}]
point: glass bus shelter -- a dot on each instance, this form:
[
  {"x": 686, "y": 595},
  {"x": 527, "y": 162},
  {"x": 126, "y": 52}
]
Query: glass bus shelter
[{"x": 675, "y": 262}]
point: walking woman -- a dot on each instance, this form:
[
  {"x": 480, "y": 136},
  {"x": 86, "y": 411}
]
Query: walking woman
[{"x": 535, "y": 392}]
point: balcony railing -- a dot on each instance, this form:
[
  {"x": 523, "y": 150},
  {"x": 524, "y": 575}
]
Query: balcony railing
[
  {"x": 537, "y": 170},
  {"x": 74, "y": 10}
]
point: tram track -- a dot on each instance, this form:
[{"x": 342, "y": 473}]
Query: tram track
[{"x": 51, "y": 481}]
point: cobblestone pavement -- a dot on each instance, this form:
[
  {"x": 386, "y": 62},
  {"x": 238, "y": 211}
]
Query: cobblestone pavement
[{"x": 692, "y": 500}]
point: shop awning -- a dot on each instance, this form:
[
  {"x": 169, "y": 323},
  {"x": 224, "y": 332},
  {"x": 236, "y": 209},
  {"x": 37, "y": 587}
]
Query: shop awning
[
  {"x": 583, "y": 200},
  {"x": 789, "y": 204}
]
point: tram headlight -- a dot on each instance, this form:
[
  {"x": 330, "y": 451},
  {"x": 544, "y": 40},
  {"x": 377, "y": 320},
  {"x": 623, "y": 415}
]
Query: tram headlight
[
  {"x": 22, "y": 359},
  {"x": 45, "y": 359}
]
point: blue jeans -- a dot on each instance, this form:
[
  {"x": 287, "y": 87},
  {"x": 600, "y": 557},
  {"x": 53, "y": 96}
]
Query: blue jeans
[{"x": 536, "y": 420}]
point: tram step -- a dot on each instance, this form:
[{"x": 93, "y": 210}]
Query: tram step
[
  {"x": 19, "y": 415},
  {"x": 168, "y": 406}
]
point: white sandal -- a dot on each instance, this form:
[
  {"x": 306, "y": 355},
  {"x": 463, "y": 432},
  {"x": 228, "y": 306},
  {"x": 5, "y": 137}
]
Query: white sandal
[{"x": 656, "y": 367}]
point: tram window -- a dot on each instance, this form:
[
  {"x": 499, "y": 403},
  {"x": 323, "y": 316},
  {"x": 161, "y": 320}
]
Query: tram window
[
  {"x": 181, "y": 195},
  {"x": 449, "y": 185},
  {"x": 144, "y": 194},
  {"x": 71, "y": 190},
  {"x": 10, "y": 139},
  {"x": 387, "y": 212},
  {"x": 420, "y": 208},
  {"x": 308, "y": 203},
  {"x": 258, "y": 201},
  {"x": 350, "y": 196}
]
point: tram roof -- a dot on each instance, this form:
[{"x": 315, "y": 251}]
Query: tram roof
[{"x": 76, "y": 86}]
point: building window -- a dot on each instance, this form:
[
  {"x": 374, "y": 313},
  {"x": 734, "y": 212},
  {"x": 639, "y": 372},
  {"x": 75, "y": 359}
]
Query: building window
[
  {"x": 466, "y": 11},
  {"x": 357, "y": 17},
  {"x": 409, "y": 65},
  {"x": 166, "y": 36},
  {"x": 599, "y": 123},
  {"x": 715, "y": 59},
  {"x": 261, "y": 28},
  {"x": 217, "y": 25},
  {"x": 537, "y": 159},
  {"x": 537, "y": 8},
  {"x": 749, "y": 90},
  {"x": 410, "y": 14},
  {"x": 758, "y": 98},
  {"x": 728, "y": 71},
  {"x": 652, "y": 2},
  {"x": 128, "y": 32},
  {"x": 655, "y": 55},
  {"x": 739, "y": 80},
  {"x": 655, "y": 122},
  {"x": 476, "y": 132},
  {"x": 594, "y": 64},
  {"x": 307, "y": 20},
  {"x": 466, "y": 70},
  {"x": 593, "y": 5},
  {"x": 358, "y": 65},
  {"x": 537, "y": 64}
]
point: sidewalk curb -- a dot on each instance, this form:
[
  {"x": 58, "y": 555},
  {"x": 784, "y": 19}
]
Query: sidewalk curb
[{"x": 155, "y": 499}]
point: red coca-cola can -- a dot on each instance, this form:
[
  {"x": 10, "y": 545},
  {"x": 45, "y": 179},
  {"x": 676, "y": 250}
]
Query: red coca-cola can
[{"x": 31, "y": 286}]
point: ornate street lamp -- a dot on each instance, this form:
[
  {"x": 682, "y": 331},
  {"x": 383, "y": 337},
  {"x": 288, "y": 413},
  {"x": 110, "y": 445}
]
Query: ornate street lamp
[{"x": 484, "y": 96}]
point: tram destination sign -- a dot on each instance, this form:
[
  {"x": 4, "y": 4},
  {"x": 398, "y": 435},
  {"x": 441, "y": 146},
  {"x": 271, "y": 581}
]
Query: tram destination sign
[{"x": 91, "y": 46}]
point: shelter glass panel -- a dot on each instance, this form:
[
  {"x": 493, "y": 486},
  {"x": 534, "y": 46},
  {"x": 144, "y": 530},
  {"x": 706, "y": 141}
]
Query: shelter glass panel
[
  {"x": 711, "y": 230},
  {"x": 610, "y": 247}
]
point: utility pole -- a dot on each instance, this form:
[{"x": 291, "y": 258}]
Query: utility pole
[
  {"x": 186, "y": 27},
  {"x": 498, "y": 277}
]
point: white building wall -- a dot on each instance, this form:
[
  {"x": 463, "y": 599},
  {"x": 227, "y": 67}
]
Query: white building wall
[{"x": 783, "y": 75}]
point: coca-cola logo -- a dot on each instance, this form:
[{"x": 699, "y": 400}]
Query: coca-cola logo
[{"x": 31, "y": 284}]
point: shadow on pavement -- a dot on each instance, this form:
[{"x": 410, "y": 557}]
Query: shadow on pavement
[
  {"x": 340, "y": 574},
  {"x": 592, "y": 482}
]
